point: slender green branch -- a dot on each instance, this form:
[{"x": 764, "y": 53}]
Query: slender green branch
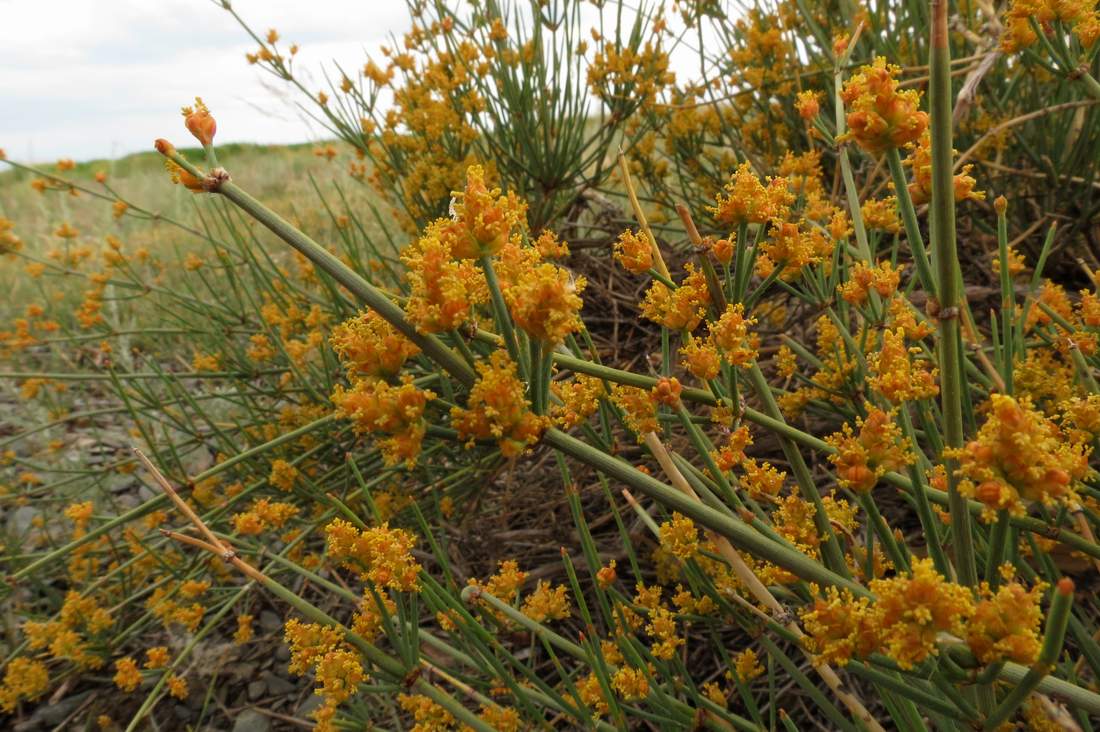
[{"x": 942, "y": 225}]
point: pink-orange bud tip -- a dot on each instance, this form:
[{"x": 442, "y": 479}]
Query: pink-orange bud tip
[
  {"x": 164, "y": 147},
  {"x": 1065, "y": 586}
]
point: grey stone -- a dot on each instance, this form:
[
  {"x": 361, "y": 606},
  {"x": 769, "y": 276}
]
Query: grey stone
[
  {"x": 278, "y": 686},
  {"x": 270, "y": 622},
  {"x": 20, "y": 519},
  {"x": 256, "y": 689},
  {"x": 309, "y": 705},
  {"x": 251, "y": 721}
]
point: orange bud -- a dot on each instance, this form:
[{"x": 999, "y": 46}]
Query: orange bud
[
  {"x": 199, "y": 122},
  {"x": 667, "y": 391},
  {"x": 100, "y": 177},
  {"x": 990, "y": 493}
]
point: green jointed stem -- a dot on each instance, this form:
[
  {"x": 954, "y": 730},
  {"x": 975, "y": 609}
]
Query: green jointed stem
[
  {"x": 942, "y": 229},
  {"x": 701, "y": 396},
  {"x": 740, "y": 534},
  {"x": 909, "y": 218},
  {"x": 331, "y": 264},
  {"x": 830, "y": 546}
]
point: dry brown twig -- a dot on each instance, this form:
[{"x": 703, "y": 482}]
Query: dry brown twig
[{"x": 213, "y": 544}]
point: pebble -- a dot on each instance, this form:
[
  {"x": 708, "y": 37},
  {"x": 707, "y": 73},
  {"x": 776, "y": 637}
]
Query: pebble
[{"x": 251, "y": 721}]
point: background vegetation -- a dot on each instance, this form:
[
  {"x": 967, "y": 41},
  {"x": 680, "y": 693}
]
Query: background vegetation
[{"x": 563, "y": 391}]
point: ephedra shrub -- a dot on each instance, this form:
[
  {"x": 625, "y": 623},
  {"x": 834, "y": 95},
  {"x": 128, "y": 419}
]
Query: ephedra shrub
[{"x": 840, "y": 492}]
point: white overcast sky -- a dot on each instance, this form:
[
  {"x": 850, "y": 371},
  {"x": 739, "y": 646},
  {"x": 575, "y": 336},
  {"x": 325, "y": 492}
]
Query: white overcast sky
[
  {"x": 101, "y": 78},
  {"x": 87, "y": 79}
]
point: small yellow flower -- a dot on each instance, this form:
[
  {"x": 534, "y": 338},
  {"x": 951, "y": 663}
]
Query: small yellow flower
[
  {"x": 630, "y": 683},
  {"x": 127, "y": 675},
  {"x": 679, "y": 536},
  {"x": 156, "y": 657}
]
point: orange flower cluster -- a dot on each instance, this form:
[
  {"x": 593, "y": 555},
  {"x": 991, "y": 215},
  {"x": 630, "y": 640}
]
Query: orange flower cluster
[
  {"x": 9, "y": 242},
  {"x": 379, "y": 554},
  {"x": 633, "y": 251},
  {"x": 700, "y": 357},
  {"x": 283, "y": 475},
  {"x": 443, "y": 292},
  {"x": 897, "y": 376},
  {"x": 861, "y": 460},
  {"x": 497, "y": 409},
  {"x": 681, "y": 308},
  {"x": 1080, "y": 16},
  {"x": 1019, "y": 457},
  {"x": 369, "y": 347},
  {"x": 482, "y": 220},
  {"x": 748, "y": 201},
  {"x": 883, "y": 279},
  {"x": 840, "y": 627},
  {"x": 881, "y": 117},
  {"x": 881, "y": 214},
  {"x": 580, "y": 398},
  {"x": 920, "y": 162},
  {"x": 394, "y": 414},
  {"x": 1005, "y": 625},
  {"x": 910, "y": 612},
  {"x": 793, "y": 247},
  {"x": 200, "y": 123},
  {"x": 544, "y": 301},
  {"x": 903, "y": 622}
]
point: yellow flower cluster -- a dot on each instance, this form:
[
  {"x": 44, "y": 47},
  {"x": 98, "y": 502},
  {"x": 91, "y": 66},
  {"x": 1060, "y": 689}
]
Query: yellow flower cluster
[
  {"x": 1019, "y": 457},
  {"x": 580, "y": 398},
  {"x": 748, "y": 201},
  {"x": 394, "y": 414},
  {"x": 896, "y": 375},
  {"x": 920, "y": 162},
  {"x": 337, "y": 668},
  {"x": 861, "y": 460},
  {"x": 73, "y": 636},
  {"x": 633, "y": 251},
  {"x": 883, "y": 279},
  {"x": 679, "y": 537},
  {"x": 263, "y": 514},
  {"x": 497, "y": 409},
  {"x": 544, "y": 300},
  {"x": 378, "y": 554},
  {"x": 547, "y": 603},
  {"x": 25, "y": 679},
  {"x": 482, "y": 219},
  {"x": 881, "y": 117},
  {"x": 1080, "y": 16},
  {"x": 371, "y": 348},
  {"x": 681, "y": 308},
  {"x": 443, "y": 291}
]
